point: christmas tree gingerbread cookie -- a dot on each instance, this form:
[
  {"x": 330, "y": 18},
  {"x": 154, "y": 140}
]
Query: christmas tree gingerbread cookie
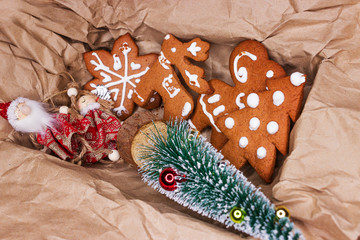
[
  {"x": 117, "y": 74},
  {"x": 256, "y": 131},
  {"x": 163, "y": 79},
  {"x": 250, "y": 67}
]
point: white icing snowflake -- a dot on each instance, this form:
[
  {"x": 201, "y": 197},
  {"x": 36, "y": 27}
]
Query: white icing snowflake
[{"x": 119, "y": 80}]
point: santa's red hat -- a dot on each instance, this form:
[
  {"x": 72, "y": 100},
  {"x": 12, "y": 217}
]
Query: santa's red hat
[{"x": 3, "y": 109}]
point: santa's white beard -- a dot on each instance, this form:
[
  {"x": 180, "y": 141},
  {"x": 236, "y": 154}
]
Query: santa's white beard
[
  {"x": 36, "y": 122},
  {"x": 89, "y": 107}
]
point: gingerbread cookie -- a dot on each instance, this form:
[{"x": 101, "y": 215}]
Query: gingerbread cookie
[
  {"x": 250, "y": 67},
  {"x": 118, "y": 73},
  {"x": 163, "y": 79},
  {"x": 256, "y": 131}
]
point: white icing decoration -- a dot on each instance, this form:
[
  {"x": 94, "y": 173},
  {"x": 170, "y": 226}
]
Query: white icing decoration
[
  {"x": 164, "y": 61},
  {"x": 167, "y": 37},
  {"x": 272, "y": 127},
  {"x": 219, "y": 110},
  {"x": 101, "y": 91},
  {"x": 243, "y": 142},
  {"x": 125, "y": 80},
  {"x": 253, "y": 100},
  {"x": 187, "y": 108},
  {"x": 270, "y": 74},
  {"x": 261, "y": 152},
  {"x": 130, "y": 94},
  {"x": 297, "y": 79},
  {"x": 173, "y": 49},
  {"x": 214, "y": 98},
  {"x": 172, "y": 91},
  {"x": 100, "y": 65},
  {"x": 135, "y": 66},
  {"x": 194, "y": 49},
  {"x": 229, "y": 123},
  {"x": 106, "y": 77},
  {"x": 278, "y": 98},
  {"x": 238, "y": 100},
  {"x": 207, "y": 113},
  {"x": 152, "y": 99},
  {"x": 191, "y": 124},
  {"x": 241, "y": 73},
  {"x": 254, "y": 123},
  {"x": 117, "y": 63},
  {"x": 193, "y": 79},
  {"x": 137, "y": 80},
  {"x": 141, "y": 99}
]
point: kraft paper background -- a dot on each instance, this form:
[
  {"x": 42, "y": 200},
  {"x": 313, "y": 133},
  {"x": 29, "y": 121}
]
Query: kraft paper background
[{"x": 42, "y": 197}]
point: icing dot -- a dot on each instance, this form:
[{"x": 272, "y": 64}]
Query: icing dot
[
  {"x": 272, "y": 127},
  {"x": 278, "y": 98},
  {"x": 173, "y": 49},
  {"x": 187, "y": 108},
  {"x": 270, "y": 74},
  {"x": 297, "y": 79},
  {"x": 229, "y": 122},
  {"x": 219, "y": 110},
  {"x": 135, "y": 66},
  {"x": 167, "y": 37},
  {"x": 215, "y": 98},
  {"x": 254, "y": 123},
  {"x": 253, "y": 100},
  {"x": 243, "y": 142},
  {"x": 261, "y": 152}
]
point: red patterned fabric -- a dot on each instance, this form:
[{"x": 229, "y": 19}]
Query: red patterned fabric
[
  {"x": 98, "y": 128},
  {"x": 3, "y": 109}
]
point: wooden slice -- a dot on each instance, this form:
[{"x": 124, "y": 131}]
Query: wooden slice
[{"x": 142, "y": 138}]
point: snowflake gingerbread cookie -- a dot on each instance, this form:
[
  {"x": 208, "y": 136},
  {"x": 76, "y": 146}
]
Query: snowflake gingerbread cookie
[
  {"x": 117, "y": 74},
  {"x": 163, "y": 79},
  {"x": 249, "y": 67}
]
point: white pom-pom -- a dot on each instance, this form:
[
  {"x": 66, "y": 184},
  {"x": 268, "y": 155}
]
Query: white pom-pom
[
  {"x": 64, "y": 110},
  {"x": 114, "y": 155},
  {"x": 72, "y": 92}
]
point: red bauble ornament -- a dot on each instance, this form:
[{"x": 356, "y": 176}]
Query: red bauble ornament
[{"x": 169, "y": 178}]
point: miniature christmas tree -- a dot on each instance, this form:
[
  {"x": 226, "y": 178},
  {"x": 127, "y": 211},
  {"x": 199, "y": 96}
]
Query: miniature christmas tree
[{"x": 181, "y": 165}]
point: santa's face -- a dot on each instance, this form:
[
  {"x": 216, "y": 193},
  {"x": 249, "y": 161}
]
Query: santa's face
[
  {"x": 26, "y": 115},
  {"x": 87, "y": 103},
  {"x": 84, "y": 101},
  {"x": 22, "y": 110}
]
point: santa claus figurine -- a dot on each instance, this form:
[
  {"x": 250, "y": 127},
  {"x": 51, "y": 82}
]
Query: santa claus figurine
[{"x": 86, "y": 139}]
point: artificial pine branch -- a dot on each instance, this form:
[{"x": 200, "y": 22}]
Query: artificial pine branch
[{"x": 187, "y": 169}]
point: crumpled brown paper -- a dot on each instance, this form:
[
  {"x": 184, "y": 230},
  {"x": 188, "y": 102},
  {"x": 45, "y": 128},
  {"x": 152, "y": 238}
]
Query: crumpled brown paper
[{"x": 42, "y": 197}]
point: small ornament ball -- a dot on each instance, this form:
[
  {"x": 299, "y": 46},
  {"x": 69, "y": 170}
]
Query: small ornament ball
[
  {"x": 114, "y": 155},
  {"x": 72, "y": 92},
  {"x": 64, "y": 110}
]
